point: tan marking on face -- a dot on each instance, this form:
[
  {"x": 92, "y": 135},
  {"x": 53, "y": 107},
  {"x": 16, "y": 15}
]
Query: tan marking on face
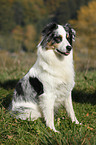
[
  {"x": 50, "y": 46},
  {"x": 67, "y": 36}
]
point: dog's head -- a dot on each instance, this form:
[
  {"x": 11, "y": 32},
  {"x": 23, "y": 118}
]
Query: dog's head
[{"x": 58, "y": 37}]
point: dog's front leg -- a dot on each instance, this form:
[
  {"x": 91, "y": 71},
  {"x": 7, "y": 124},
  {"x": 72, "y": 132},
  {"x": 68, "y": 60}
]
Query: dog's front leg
[
  {"x": 47, "y": 108},
  {"x": 69, "y": 109}
]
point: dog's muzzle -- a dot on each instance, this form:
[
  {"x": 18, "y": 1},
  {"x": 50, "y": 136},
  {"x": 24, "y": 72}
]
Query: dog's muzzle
[{"x": 68, "y": 49}]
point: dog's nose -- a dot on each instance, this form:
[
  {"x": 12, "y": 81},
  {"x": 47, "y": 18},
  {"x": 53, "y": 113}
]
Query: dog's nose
[{"x": 68, "y": 48}]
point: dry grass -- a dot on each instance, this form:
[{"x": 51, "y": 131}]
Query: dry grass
[{"x": 16, "y": 64}]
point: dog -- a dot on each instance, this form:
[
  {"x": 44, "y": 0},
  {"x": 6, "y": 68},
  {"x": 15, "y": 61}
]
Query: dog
[{"x": 50, "y": 81}]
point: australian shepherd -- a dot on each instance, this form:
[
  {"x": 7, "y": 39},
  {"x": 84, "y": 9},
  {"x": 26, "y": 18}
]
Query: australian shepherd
[{"x": 50, "y": 81}]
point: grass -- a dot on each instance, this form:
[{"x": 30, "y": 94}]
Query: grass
[{"x": 18, "y": 132}]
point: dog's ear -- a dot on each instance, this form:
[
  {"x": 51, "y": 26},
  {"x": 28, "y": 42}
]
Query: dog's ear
[
  {"x": 70, "y": 33},
  {"x": 48, "y": 33},
  {"x": 49, "y": 28}
]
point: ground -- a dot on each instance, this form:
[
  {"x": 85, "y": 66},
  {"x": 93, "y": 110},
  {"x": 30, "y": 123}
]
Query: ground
[{"x": 18, "y": 132}]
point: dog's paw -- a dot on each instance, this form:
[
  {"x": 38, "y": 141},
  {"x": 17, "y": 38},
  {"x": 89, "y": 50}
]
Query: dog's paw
[
  {"x": 53, "y": 129},
  {"x": 56, "y": 131},
  {"x": 77, "y": 122}
]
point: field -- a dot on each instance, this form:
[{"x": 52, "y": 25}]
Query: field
[{"x": 18, "y": 132}]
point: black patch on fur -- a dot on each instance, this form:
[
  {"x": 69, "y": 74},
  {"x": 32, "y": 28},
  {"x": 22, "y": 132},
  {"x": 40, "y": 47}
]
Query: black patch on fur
[
  {"x": 37, "y": 85},
  {"x": 70, "y": 32},
  {"x": 19, "y": 89},
  {"x": 49, "y": 28},
  {"x": 57, "y": 39},
  {"x": 48, "y": 33}
]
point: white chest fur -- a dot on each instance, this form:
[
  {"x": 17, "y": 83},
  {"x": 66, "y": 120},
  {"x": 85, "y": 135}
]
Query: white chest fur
[{"x": 56, "y": 73}]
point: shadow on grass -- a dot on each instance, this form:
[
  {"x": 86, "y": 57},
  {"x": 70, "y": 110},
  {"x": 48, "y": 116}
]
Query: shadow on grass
[
  {"x": 9, "y": 84},
  {"x": 7, "y": 101},
  {"x": 83, "y": 97}
]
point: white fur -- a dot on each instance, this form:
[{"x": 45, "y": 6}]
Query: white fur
[{"x": 57, "y": 77}]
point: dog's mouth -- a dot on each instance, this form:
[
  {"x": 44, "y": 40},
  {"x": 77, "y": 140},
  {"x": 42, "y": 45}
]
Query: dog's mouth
[{"x": 62, "y": 53}]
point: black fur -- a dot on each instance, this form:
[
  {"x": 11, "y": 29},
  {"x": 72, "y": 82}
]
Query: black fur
[
  {"x": 70, "y": 32},
  {"x": 49, "y": 28},
  {"x": 19, "y": 89},
  {"x": 48, "y": 33},
  {"x": 37, "y": 85},
  {"x": 57, "y": 39}
]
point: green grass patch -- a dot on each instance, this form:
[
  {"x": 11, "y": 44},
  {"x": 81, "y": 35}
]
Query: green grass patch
[{"x": 18, "y": 132}]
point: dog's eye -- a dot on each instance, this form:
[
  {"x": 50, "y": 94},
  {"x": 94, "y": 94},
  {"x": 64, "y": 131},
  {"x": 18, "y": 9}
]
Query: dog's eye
[{"x": 58, "y": 39}]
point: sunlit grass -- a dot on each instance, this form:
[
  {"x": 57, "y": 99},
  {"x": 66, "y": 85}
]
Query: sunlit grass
[{"x": 18, "y": 132}]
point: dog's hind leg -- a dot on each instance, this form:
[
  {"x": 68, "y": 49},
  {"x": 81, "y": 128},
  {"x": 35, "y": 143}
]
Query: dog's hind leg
[
  {"x": 69, "y": 108},
  {"x": 47, "y": 107},
  {"x": 25, "y": 110}
]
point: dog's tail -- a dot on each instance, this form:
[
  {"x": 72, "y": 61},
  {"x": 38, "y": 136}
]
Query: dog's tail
[{"x": 25, "y": 110}]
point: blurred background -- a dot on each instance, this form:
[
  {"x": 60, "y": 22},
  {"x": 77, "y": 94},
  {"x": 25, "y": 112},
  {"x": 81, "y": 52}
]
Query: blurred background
[{"x": 21, "y": 23}]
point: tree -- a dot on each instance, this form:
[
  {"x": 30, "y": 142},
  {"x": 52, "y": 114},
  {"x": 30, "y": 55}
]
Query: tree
[
  {"x": 65, "y": 11},
  {"x": 86, "y": 31},
  {"x": 52, "y": 5},
  {"x": 18, "y": 10},
  {"x": 34, "y": 10},
  {"x": 6, "y": 16},
  {"x": 29, "y": 43},
  {"x": 86, "y": 24}
]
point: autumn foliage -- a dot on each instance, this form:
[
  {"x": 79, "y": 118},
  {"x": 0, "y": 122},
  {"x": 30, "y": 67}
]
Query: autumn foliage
[
  {"x": 86, "y": 33},
  {"x": 21, "y": 22}
]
